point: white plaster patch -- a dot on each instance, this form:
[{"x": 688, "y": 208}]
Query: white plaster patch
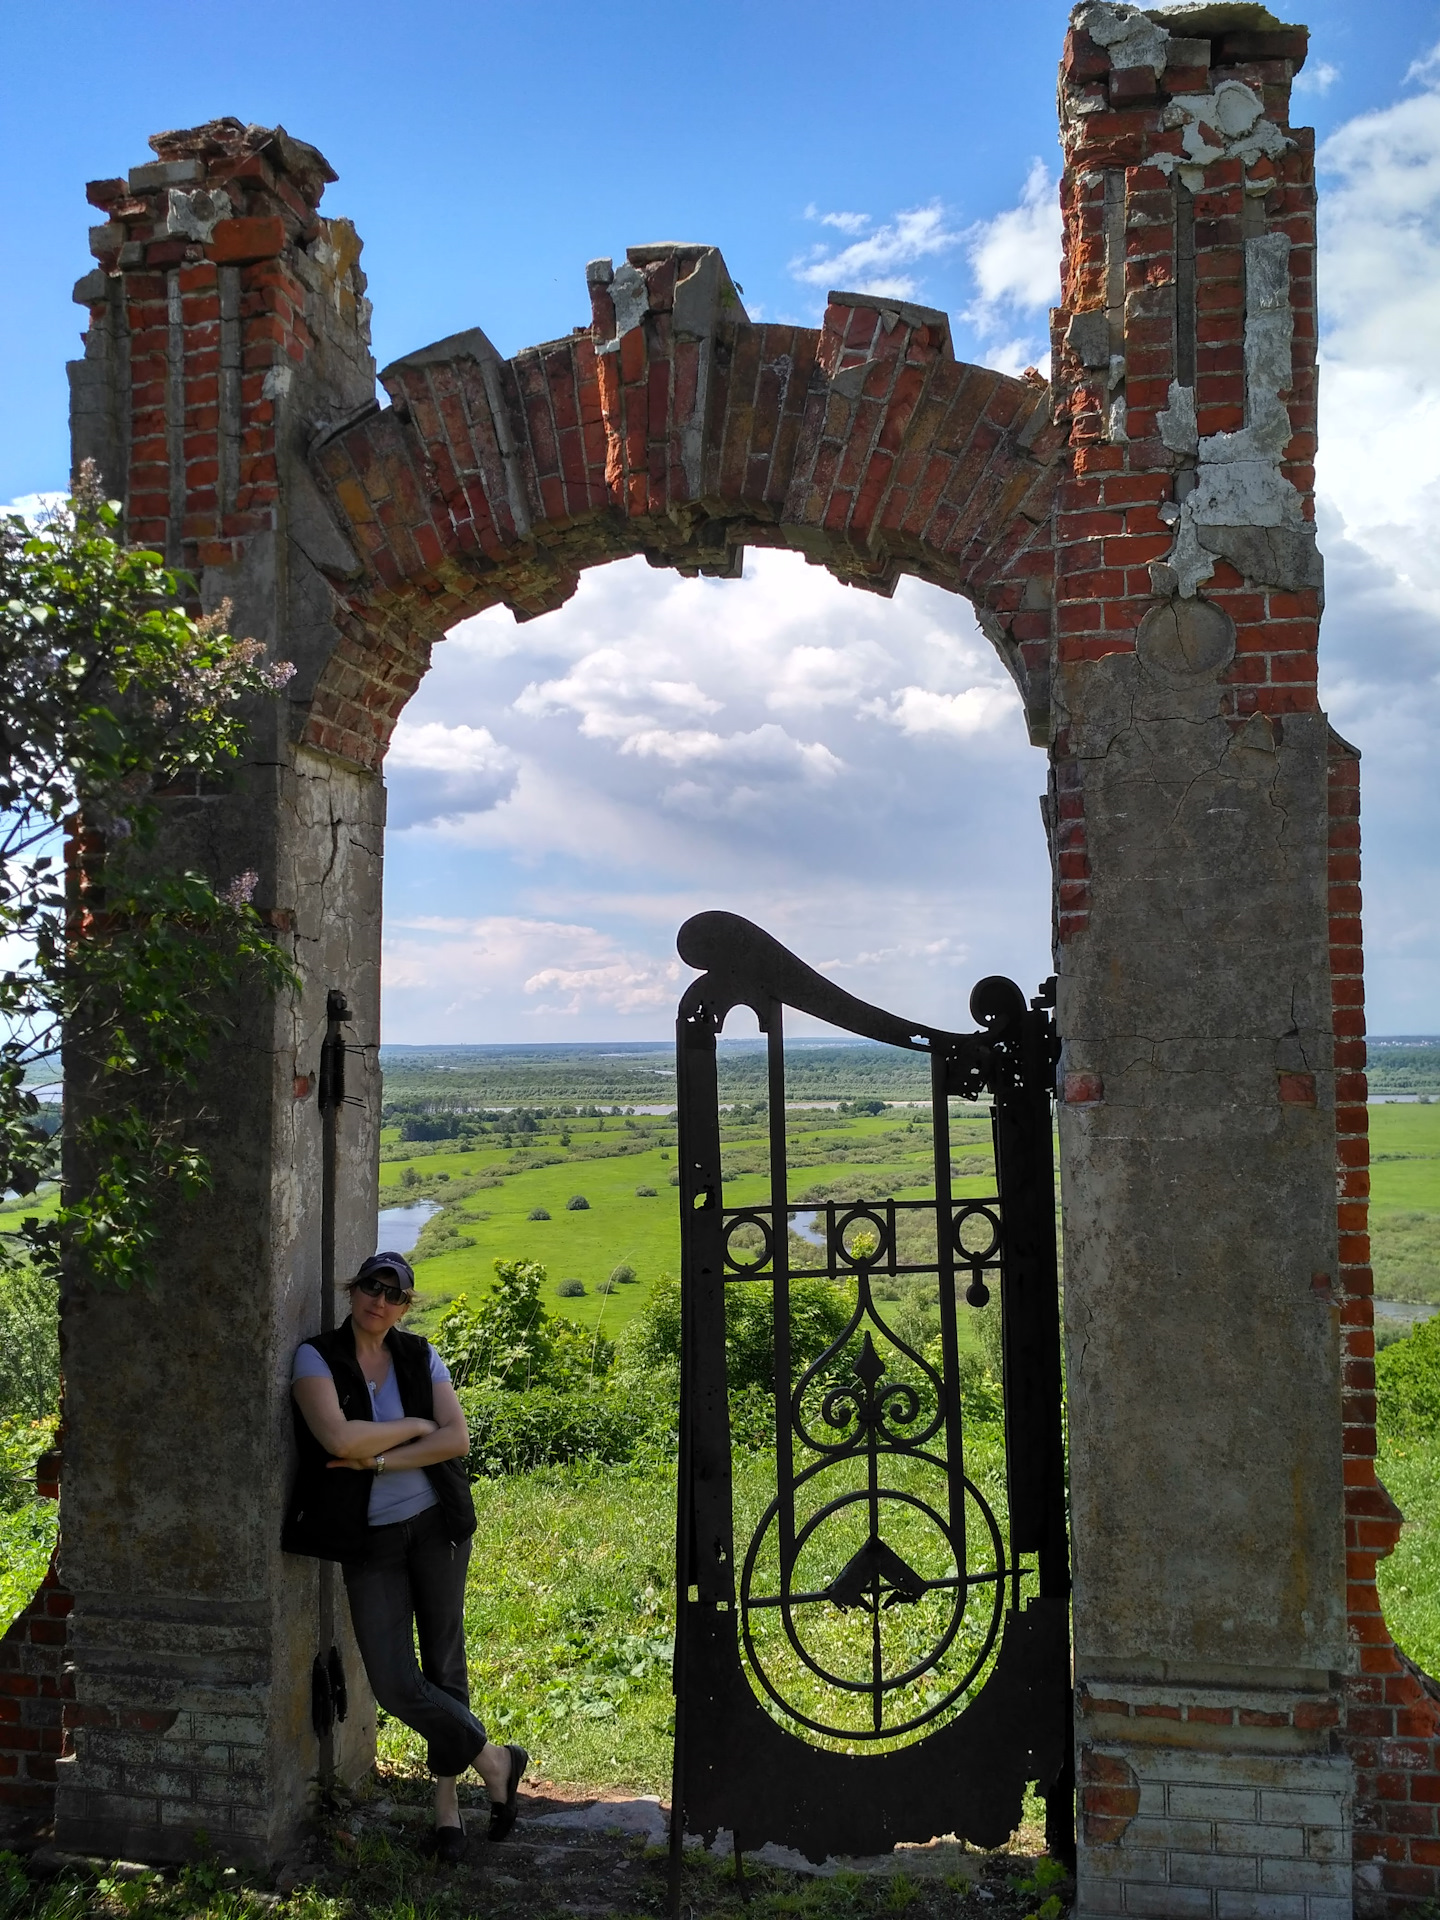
[
  {"x": 632, "y": 298},
  {"x": 1177, "y": 425},
  {"x": 194, "y": 216},
  {"x": 1127, "y": 35},
  {"x": 1238, "y": 482}
]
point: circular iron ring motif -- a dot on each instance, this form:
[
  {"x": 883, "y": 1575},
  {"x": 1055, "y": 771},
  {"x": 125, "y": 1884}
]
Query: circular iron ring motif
[
  {"x": 843, "y": 1224},
  {"x": 767, "y": 1249},
  {"x": 966, "y": 1211},
  {"x": 960, "y": 1605}
]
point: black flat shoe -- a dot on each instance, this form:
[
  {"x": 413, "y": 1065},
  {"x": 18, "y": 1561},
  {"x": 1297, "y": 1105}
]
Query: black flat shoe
[
  {"x": 502, "y": 1816},
  {"x": 450, "y": 1844}
]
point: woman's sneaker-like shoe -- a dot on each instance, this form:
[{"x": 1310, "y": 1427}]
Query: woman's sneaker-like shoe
[{"x": 502, "y": 1817}]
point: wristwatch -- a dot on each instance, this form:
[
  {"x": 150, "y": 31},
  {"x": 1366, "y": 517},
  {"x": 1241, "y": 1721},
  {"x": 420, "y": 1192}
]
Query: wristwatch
[{"x": 379, "y": 1463}]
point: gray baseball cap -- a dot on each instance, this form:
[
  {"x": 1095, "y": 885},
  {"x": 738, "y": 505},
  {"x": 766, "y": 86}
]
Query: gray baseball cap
[{"x": 395, "y": 1263}]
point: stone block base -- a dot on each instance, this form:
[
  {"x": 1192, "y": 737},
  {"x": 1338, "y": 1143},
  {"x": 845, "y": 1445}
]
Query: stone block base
[{"x": 1214, "y": 1836}]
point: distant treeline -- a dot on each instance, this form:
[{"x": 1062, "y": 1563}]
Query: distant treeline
[
  {"x": 1404, "y": 1066},
  {"x": 565, "y": 1079}
]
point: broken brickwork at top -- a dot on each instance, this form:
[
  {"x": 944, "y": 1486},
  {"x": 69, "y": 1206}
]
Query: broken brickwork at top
[
  {"x": 673, "y": 427},
  {"x": 1184, "y": 367},
  {"x": 217, "y": 279}
]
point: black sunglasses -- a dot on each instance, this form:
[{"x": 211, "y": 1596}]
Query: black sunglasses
[{"x": 374, "y": 1286}]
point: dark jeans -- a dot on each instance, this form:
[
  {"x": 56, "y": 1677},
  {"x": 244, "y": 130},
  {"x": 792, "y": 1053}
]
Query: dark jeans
[{"x": 413, "y": 1573}]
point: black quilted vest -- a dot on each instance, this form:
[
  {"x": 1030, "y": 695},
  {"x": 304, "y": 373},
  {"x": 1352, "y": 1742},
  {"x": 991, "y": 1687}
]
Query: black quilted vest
[{"x": 328, "y": 1514}]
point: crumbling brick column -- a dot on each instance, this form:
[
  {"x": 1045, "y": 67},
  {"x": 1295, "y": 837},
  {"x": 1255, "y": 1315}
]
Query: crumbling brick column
[
  {"x": 226, "y": 323},
  {"x": 1198, "y": 1131}
]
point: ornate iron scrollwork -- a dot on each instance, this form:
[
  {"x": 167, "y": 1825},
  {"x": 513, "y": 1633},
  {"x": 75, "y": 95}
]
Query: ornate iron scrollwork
[{"x": 880, "y": 1656}]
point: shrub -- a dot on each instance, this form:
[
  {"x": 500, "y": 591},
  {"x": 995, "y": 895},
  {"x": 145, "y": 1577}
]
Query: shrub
[
  {"x": 675, "y": 1176},
  {"x": 606, "y": 1286},
  {"x": 577, "y": 1203},
  {"x": 510, "y": 1341},
  {"x": 29, "y": 1344},
  {"x": 818, "y": 1316},
  {"x": 644, "y": 1193},
  {"x": 538, "y": 1213},
  {"x": 571, "y": 1289},
  {"x": 622, "y": 1276},
  {"x": 1407, "y": 1384},
  {"x": 408, "y": 1176},
  {"x": 516, "y": 1432}
]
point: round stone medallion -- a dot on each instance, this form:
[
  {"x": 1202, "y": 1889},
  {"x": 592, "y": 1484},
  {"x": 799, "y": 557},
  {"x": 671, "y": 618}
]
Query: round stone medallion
[{"x": 1185, "y": 639}]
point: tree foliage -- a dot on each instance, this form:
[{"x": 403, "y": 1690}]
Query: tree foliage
[
  {"x": 819, "y": 1314},
  {"x": 1407, "y": 1380},
  {"x": 110, "y": 693},
  {"x": 512, "y": 1341}
]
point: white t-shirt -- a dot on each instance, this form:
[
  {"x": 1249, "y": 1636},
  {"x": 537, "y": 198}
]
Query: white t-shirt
[{"x": 395, "y": 1495}]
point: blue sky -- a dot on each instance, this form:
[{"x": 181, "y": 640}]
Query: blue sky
[{"x": 851, "y": 771}]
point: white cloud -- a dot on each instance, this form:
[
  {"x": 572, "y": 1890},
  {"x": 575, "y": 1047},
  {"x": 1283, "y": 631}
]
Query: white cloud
[
  {"x": 1378, "y": 480},
  {"x": 1380, "y": 286},
  {"x": 842, "y": 222},
  {"x": 961, "y": 715},
  {"x": 768, "y": 747},
  {"x": 1427, "y": 68},
  {"x": 440, "y": 772},
  {"x": 32, "y": 507},
  {"x": 1015, "y": 259},
  {"x": 1318, "y": 77},
  {"x": 560, "y": 967},
  {"x": 869, "y": 265},
  {"x": 760, "y": 744}
]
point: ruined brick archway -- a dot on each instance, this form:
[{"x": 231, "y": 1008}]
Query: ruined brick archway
[
  {"x": 1137, "y": 539},
  {"x": 673, "y": 427}
]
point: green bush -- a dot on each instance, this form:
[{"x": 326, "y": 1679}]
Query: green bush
[
  {"x": 29, "y": 1344},
  {"x": 516, "y": 1432},
  {"x": 538, "y": 1213},
  {"x": 818, "y": 1316},
  {"x": 571, "y": 1289},
  {"x": 1407, "y": 1384},
  {"x": 644, "y": 1193},
  {"x": 510, "y": 1341},
  {"x": 622, "y": 1276},
  {"x": 577, "y": 1203}
]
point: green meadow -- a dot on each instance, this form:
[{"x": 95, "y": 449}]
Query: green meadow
[
  {"x": 489, "y": 1194},
  {"x": 1405, "y": 1202}
]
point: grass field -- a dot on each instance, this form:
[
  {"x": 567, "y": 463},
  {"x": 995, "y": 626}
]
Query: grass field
[
  {"x": 489, "y": 1193},
  {"x": 1405, "y": 1202}
]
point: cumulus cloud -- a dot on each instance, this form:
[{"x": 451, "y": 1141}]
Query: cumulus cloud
[
  {"x": 960, "y": 715},
  {"x": 439, "y": 772},
  {"x": 559, "y": 967},
  {"x": 870, "y": 263},
  {"x": 842, "y": 222},
  {"x": 1378, "y": 479},
  {"x": 1015, "y": 259},
  {"x": 1317, "y": 77},
  {"x": 764, "y": 744}
]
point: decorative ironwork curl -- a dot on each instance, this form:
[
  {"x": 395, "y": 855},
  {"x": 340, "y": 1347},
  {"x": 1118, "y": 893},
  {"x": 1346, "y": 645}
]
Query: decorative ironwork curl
[{"x": 863, "y": 1393}]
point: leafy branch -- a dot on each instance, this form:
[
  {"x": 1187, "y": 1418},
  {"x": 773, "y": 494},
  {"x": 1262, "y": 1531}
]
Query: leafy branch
[{"x": 111, "y": 696}]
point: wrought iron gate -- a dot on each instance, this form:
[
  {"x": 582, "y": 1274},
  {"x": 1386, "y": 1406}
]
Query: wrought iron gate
[{"x": 876, "y": 1656}]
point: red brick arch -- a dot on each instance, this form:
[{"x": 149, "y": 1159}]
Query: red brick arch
[{"x": 673, "y": 427}]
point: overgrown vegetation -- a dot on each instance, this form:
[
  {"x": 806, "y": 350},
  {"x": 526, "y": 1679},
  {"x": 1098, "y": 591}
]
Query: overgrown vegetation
[{"x": 110, "y": 692}]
